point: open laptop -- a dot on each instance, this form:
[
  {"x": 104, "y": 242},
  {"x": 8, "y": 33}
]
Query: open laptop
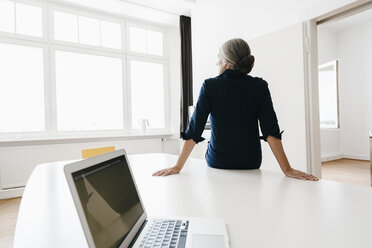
[{"x": 112, "y": 214}]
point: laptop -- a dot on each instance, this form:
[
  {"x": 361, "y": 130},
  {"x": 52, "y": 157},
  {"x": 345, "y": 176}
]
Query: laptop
[{"x": 112, "y": 214}]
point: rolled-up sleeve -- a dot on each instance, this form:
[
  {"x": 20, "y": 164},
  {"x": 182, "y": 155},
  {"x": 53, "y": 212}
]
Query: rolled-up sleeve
[
  {"x": 199, "y": 117},
  {"x": 267, "y": 117}
]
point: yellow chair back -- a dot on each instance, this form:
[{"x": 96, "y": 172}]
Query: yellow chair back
[{"x": 88, "y": 153}]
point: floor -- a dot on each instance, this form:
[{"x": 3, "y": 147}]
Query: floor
[
  {"x": 350, "y": 171},
  {"x": 8, "y": 217},
  {"x": 343, "y": 170}
]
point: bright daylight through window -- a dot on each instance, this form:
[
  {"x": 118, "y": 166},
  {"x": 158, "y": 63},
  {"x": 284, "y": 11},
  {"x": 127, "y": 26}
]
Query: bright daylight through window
[
  {"x": 69, "y": 71},
  {"x": 328, "y": 95}
]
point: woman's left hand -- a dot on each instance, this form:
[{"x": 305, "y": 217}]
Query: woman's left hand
[
  {"x": 168, "y": 171},
  {"x": 300, "y": 175}
]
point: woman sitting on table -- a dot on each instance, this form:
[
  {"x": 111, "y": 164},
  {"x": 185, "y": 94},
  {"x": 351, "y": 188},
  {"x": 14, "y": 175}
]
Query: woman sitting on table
[{"x": 236, "y": 103}]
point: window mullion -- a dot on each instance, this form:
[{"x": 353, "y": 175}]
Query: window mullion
[
  {"x": 53, "y": 93},
  {"x": 47, "y": 92},
  {"x": 15, "y": 17},
  {"x": 52, "y": 127},
  {"x": 126, "y": 96},
  {"x": 125, "y": 79}
]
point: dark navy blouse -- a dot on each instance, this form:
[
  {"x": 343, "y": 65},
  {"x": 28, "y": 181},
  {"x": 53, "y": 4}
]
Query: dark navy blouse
[{"x": 236, "y": 103}]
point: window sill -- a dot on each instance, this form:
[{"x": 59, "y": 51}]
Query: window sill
[{"x": 76, "y": 138}]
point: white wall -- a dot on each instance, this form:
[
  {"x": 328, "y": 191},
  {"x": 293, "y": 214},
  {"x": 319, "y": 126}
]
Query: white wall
[
  {"x": 355, "y": 53},
  {"x": 327, "y": 45},
  {"x": 351, "y": 45},
  {"x": 18, "y": 162},
  {"x": 330, "y": 143},
  {"x": 280, "y": 61},
  {"x": 216, "y": 21},
  {"x": 330, "y": 139}
]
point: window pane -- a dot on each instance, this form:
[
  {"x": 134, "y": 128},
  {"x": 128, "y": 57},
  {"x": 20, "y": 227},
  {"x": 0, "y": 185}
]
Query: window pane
[
  {"x": 28, "y": 20},
  {"x": 7, "y": 16},
  {"x": 111, "y": 34},
  {"x": 89, "y": 31},
  {"x": 21, "y": 89},
  {"x": 65, "y": 26},
  {"x": 328, "y": 97},
  {"x": 155, "y": 43},
  {"x": 147, "y": 84},
  {"x": 89, "y": 92},
  {"x": 137, "y": 40}
]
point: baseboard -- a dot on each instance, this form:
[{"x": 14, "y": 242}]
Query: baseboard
[
  {"x": 348, "y": 156},
  {"x": 331, "y": 158},
  {"x": 356, "y": 156},
  {"x": 11, "y": 193}
]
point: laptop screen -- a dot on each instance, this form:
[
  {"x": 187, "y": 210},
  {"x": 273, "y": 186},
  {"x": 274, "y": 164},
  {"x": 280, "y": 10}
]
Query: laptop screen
[{"x": 109, "y": 199}]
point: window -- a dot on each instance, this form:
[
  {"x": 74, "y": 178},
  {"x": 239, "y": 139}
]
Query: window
[
  {"x": 89, "y": 92},
  {"x": 89, "y": 31},
  {"x": 146, "y": 41},
  {"x": 7, "y": 23},
  {"x": 79, "y": 77},
  {"x": 28, "y": 20},
  {"x": 328, "y": 95},
  {"x": 20, "y": 18},
  {"x": 65, "y": 26},
  {"x": 86, "y": 30},
  {"x": 147, "y": 93},
  {"x": 110, "y": 34},
  {"x": 21, "y": 89}
]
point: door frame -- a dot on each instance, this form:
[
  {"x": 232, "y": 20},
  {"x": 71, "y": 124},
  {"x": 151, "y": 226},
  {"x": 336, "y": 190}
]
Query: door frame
[{"x": 310, "y": 38}]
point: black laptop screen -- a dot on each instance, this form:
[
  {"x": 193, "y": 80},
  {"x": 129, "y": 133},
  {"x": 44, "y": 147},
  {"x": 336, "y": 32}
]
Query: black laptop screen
[{"x": 109, "y": 199}]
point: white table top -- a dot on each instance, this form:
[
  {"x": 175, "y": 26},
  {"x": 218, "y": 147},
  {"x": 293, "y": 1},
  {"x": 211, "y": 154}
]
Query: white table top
[{"x": 261, "y": 208}]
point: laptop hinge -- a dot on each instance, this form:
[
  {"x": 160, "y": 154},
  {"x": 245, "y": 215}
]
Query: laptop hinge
[{"x": 137, "y": 234}]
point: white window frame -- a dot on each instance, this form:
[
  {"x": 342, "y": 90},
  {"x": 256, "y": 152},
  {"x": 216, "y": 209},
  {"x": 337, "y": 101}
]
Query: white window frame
[
  {"x": 85, "y": 13},
  {"x": 150, "y": 28},
  {"x": 44, "y": 17},
  {"x": 50, "y": 45}
]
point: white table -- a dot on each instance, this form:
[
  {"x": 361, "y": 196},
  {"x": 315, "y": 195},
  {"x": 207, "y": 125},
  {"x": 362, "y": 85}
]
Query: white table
[{"x": 261, "y": 208}]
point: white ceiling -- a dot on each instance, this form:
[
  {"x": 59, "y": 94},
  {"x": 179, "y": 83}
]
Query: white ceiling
[
  {"x": 154, "y": 11},
  {"x": 348, "y": 22},
  {"x": 180, "y": 7},
  {"x": 168, "y": 11}
]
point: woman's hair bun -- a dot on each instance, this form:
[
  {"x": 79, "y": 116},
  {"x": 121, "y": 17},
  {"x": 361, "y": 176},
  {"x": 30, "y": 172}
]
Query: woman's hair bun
[
  {"x": 238, "y": 53},
  {"x": 245, "y": 64}
]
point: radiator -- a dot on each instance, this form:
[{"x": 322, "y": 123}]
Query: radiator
[{"x": 18, "y": 162}]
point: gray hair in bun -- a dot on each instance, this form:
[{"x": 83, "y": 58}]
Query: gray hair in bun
[{"x": 238, "y": 54}]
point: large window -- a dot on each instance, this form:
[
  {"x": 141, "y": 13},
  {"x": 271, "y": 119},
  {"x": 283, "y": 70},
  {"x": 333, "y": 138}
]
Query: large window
[
  {"x": 21, "y": 88},
  {"x": 328, "y": 95},
  {"x": 66, "y": 71},
  {"x": 89, "y": 92}
]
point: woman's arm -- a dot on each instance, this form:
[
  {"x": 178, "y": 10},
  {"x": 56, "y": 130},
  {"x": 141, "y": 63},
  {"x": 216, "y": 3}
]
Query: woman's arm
[
  {"x": 193, "y": 132},
  {"x": 186, "y": 150},
  {"x": 278, "y": 151}
]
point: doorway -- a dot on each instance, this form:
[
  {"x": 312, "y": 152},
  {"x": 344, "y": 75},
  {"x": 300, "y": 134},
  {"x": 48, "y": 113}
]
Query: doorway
[{"x": 344, "y": 84}]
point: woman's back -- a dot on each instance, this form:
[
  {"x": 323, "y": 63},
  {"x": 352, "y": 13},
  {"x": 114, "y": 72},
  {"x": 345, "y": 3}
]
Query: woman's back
[{"x": 235, "y": 102}]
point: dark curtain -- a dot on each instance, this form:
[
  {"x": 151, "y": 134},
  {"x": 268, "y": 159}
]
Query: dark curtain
[{"x": 186, "y": 70}]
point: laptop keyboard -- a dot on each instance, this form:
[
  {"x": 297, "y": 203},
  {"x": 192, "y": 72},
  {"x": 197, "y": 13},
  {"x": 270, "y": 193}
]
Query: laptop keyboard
[{"x": 164, "y": 233}]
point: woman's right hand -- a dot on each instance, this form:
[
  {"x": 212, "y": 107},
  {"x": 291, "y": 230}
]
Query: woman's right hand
[{"x": 168, "y": 171}]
